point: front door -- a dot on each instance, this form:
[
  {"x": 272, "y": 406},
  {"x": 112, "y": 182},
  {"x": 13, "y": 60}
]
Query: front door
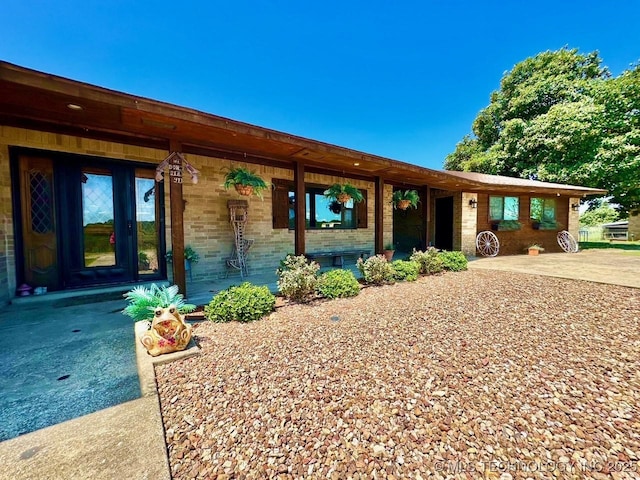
[
  {"x": 38, "y": 220},
  {"x": 444, "y": 223},
  {"x": 105, "y": 225}
]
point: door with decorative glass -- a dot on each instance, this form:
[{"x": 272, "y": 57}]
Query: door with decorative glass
[
  {"x": 88, "y": 222},
  {"x": 38, "y": 221}
]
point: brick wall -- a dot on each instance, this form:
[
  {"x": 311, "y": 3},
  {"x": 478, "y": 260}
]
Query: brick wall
[
  {"x": 208, "y": 231},
  {"x": 206, "y": 217},
  {"x": 515, "y": 242},
  {"x": 468, "y": 224},
  {"x": 573, "y": 224},
  {"x": 634, "y": 225}
]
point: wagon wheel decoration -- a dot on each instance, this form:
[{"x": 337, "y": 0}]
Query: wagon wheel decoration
[
  {"x": 567, "y": 242},
  {"x": 487, "y": 244}
]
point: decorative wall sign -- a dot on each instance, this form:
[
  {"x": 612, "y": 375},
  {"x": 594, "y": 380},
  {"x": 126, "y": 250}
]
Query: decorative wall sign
[{"x": 175, "y": 162}]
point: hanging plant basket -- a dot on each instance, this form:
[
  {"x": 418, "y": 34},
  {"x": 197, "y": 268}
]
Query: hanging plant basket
[
  {"x": 246, "y": 190},
  {"x": 343, "y": 193},
  {"x": 244, "y": 181},
  {"x": 403, "y": 199},
  {"x": 344, "y": 197},
  {"x": 404, "y": 204}
]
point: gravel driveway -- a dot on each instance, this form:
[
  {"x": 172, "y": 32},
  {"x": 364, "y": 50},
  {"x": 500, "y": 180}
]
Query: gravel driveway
[{"x": 512, "y": 375}]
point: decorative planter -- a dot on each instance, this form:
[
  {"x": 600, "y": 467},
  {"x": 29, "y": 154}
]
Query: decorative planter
[
  {"x": 245, "y": 190},
  {"x": 403, "y": 204},
  {"x": 344, "y": 197},
  {"x": 534, "y": 251},
  {"x": 168, "y": 332},
  {"x": 388, "y": 254},
  {"x": 506, "y": 226}
]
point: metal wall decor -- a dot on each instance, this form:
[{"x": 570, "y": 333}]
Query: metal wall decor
[
  {"x": 238, "y": 216},
  {"x": 174, "y": 161}
]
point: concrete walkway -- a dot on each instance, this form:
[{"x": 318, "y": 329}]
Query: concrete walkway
[
  {"x": 124, "y": 441},
  {"x": 612, "y": 266}
]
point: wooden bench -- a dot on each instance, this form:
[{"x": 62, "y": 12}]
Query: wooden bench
[{"x": 338, "y": 255}]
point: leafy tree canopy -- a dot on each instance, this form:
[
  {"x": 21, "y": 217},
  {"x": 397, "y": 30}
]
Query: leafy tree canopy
[
  {"x": 561, "y": 117},
  {"x": 602, "y": 212}
]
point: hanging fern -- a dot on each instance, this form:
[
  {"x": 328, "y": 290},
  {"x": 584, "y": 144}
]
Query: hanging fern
[
  {"x": 337, "y": 189},
  {"x": 143, "y": 301},
  {"x": 409, "y": 197}
]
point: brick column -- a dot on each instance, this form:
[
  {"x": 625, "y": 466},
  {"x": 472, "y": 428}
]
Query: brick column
[
  {"x": 468, "y": 224},
  {"x": 574, "y": 219}
]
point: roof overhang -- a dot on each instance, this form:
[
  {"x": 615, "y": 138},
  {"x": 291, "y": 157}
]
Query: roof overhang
[{"x": 41, "y": 101}]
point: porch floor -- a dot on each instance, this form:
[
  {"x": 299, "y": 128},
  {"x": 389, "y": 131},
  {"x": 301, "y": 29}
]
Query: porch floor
[{"x": 201, "y": 292}]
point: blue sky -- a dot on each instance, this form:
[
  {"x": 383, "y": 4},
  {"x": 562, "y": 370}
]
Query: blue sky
[{"x": 403, "y": 80}]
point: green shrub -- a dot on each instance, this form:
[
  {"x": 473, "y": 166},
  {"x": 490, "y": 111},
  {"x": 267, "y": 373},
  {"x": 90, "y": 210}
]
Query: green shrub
[
  {"x": 338, "y": 284},
  {"x": 429, "y": 261},
  {"x": 143, "y": 301},
  {"x": 297, "y": 277},
  {"x": 405, "y": 270},
  {"x": 244, "y": 303},
  {"x": 376, "y": 270},
  {"x": 453, "y": 261}
]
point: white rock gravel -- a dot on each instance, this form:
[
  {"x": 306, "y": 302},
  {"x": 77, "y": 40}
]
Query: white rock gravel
[{"x": 463, "y": 375}]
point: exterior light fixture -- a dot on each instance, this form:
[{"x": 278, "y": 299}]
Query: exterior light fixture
[
  {"x": 473, "y": 203},
  {"x": 75, "y": 106},
  {"x": 575, "y": 207}
]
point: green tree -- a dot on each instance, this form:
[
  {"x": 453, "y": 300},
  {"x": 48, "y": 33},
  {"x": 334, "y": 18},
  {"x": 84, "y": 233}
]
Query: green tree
[
  {"x": 561, "y": 117},
  {"x": 599, "y": 213}
]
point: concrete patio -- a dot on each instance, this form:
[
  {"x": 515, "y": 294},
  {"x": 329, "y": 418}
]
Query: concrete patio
[{"x": 611, "y": 266}]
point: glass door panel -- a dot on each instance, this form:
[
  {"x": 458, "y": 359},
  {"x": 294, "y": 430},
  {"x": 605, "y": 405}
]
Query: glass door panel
[
  {"x": 146, "y": 223},
  {"x": 99, "y": 237}
]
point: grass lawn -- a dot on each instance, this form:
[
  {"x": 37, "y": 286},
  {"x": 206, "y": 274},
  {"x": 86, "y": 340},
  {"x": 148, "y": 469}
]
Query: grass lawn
[{"x": 608, "y": 244}]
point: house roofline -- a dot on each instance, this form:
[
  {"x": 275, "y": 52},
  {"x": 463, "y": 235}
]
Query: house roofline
[{"x": 105, "y": 112}]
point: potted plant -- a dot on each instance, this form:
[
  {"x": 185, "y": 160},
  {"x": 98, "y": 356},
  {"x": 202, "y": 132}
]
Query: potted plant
[
  {"x": 388, "y": 251},
  {"x": 535, "y": 249},
  {"x": 404, "y": 199},
  {"x": 159, "y": 316},
  {"x": 343, "y": 193},
  {"x": 190, "y": 256},
  {"x": 144, "y": 300},
  {"x": 244, "y": 181}
]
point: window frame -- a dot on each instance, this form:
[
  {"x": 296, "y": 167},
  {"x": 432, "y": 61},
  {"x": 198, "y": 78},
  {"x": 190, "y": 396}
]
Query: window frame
[
  {"x": 312, "y": 192},
  {"x": 283, "y": 207},
  {"x": 503, "y": 208},
  {"x": 542, "y": 223}
]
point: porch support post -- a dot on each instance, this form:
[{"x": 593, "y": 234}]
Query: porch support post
[
  {"x": 426, "y": 214},
  {"x": 299, "y": 232},
  {"x": 177, "y": 219},
  {"x": 379, "y": 215}
]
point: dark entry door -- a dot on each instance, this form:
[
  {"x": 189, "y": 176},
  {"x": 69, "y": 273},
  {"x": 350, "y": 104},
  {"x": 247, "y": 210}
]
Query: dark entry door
[
  {"x": 96, "y": 224},
  {"x": 87, "y": 222},
  {"x": 444, "y": 223}
]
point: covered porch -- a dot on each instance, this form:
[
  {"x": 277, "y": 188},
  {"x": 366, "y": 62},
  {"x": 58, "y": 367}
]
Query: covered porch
[{"x": 59, "y": 136}]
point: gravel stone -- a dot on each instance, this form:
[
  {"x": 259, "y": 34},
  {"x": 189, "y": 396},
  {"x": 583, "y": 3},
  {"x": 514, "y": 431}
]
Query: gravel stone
[{"x": 476, "y": 374}]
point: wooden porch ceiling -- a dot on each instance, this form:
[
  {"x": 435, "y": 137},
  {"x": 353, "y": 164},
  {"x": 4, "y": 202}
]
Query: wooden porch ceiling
[{"x": 37, "y": 100}]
